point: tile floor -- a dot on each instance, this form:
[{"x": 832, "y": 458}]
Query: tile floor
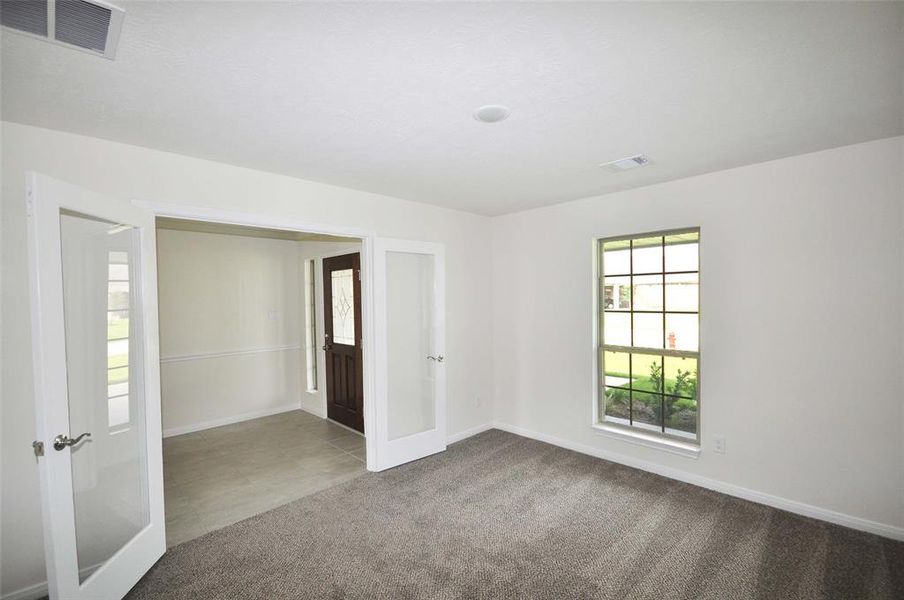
[{"x": 217, "y": 477}]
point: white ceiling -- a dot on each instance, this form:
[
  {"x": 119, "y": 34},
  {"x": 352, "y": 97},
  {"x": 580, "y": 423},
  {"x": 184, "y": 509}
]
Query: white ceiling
[{"x": 379, "y": 96}]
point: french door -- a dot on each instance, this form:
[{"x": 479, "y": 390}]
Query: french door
[
  {"x": 409, "y": 327},
  {"x": 93, "y": 283}
]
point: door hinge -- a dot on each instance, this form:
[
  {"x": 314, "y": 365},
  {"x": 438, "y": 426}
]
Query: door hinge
[
  {"x": 359, "y": 274},
  {"x": 38, "y": 447}
]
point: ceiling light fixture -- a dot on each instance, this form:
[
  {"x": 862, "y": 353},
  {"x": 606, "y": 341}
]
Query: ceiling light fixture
[{"x": 492, "y": 113}]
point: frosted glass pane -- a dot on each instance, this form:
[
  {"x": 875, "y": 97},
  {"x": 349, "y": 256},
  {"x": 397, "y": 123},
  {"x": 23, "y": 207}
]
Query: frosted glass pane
[
  {"x": 343, "y": 286},
  {"x": 109, "y": 469},
  {"x": 409, "y": 316}
]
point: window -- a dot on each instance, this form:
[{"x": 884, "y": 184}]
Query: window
[
  {"x": 310, "y": 331},
  {"x": 117, "y": 339},
  {"x": 649, "y": 333}
]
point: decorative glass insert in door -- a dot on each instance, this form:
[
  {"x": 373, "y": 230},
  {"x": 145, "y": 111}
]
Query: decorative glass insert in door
[
  {"x": 105, "y": 395},
  {"x": 343, "y": 287},
  {"x": 411, "y": 373}
]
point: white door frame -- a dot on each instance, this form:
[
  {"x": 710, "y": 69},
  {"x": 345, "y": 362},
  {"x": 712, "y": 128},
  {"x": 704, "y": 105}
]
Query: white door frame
[
  {"x": 319, "y": 323},
  {"x": 267, "y": 221}
]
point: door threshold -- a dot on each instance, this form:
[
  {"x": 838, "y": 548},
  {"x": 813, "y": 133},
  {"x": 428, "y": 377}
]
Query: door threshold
[{"x": 346, "y": 427}]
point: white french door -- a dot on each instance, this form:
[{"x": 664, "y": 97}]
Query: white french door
[
  {"x": 93, "y": 281},
  {"x": 409, "y": 330}
]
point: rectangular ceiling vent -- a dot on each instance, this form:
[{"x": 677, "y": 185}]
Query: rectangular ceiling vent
[
  {"x": 623, "y": 164},
  {"x": 90, "y": 26}
]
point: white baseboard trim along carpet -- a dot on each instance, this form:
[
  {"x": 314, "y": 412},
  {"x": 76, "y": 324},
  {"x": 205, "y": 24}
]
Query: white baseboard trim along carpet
[
  {"x": 463, "y": 435},
  {"x": 793, "y": 506}
]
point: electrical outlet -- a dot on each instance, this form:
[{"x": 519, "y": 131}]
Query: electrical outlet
[
  {"x": 272, "y": 314},
  {"x": 478, "y": 400},
  {"x": 719, "y": 444}
]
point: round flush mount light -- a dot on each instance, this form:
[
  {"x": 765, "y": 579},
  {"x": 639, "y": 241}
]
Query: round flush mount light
[{"x": 492, "y": 113}]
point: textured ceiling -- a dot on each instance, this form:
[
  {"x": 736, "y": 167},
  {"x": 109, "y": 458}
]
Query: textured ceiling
[{"x": 378, "y": 96}]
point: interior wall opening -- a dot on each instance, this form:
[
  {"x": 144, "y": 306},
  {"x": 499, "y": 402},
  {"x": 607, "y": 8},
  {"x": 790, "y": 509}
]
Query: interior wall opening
[{"x": 261, "y": 382}]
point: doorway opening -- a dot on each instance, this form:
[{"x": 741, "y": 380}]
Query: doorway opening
[{"x": 261, "y": 369}]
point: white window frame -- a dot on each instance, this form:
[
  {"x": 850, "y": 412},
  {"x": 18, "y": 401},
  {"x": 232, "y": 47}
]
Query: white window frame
[
  {"x": 642, "y": 436},
  {"x": 310, "y": 325}
]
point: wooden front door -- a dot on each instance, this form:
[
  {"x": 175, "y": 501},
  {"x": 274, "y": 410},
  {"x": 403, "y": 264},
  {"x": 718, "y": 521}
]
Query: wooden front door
[{"x": 342, "y": 340}]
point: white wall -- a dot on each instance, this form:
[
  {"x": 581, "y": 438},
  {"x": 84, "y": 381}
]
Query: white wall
[
  {"x": 801, "y": 334},
  {"x": 234, "y": 295},
  {"x": 804, "y": 383},
  {"x": 315, "y": 401},
  {"x": 133, "y": 172}
]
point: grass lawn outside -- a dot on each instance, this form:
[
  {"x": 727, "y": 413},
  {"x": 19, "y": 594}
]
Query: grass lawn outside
[
  {"x": 616, "y": 365},
  {"x": 117, "y": 364}
]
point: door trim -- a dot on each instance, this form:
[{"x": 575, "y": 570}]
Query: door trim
[{"x": 367, "y": 237}]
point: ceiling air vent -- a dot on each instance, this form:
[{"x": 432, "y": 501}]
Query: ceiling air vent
[
  {"x": 24, "y": 15},
  {"x": 623, "y": 164},
  {"x": 90, "y": 26}
]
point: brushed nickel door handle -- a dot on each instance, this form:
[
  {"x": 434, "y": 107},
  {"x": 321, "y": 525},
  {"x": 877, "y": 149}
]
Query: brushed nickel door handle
[
  {"x": 436, "y": 358},
  {"x": 62, "y": 441}
]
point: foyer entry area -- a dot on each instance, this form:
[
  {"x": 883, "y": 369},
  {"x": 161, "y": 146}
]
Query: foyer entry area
[
  {"x": 217, "y": 477},
  {"x": 253, "y": 324}
]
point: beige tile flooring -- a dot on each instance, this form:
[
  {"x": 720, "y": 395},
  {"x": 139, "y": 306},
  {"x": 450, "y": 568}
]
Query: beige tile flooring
[{"x": 217, "y": 477}]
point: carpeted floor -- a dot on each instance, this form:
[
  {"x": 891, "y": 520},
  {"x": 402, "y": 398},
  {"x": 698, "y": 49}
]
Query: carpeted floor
[{"x": 501, "y": 516}]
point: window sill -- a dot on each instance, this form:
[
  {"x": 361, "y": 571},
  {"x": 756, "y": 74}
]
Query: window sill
[{"x": 647, "y": 440}]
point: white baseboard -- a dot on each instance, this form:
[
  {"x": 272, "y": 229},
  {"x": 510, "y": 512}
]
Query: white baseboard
[
  {"x": 257, "y": 414},
  {"x": 793, "y": 506},
  {"x": 39, "y": 590},
  {"x": 461, "y": 435},
  {"x": 32, "y": 592},
  {"x": 314, "y": 411}
]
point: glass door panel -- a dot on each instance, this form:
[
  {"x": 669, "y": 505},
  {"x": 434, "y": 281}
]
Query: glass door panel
[
  {"x": 410, "y": 340},
  {"x": 409, "y": 331},
  {"x": 103, "y": 345}
]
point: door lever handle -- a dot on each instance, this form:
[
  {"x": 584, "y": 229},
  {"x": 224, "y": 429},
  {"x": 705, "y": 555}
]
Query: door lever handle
[
  {"x": 62, "y": 441},
  {"x": 436, "y": 358}
]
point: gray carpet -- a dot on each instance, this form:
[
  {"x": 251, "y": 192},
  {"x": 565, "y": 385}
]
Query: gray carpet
[{"x": 501, "y": 516}]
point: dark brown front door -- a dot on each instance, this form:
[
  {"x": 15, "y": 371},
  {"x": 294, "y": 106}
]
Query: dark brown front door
[{"x": 342, "y": 340}]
